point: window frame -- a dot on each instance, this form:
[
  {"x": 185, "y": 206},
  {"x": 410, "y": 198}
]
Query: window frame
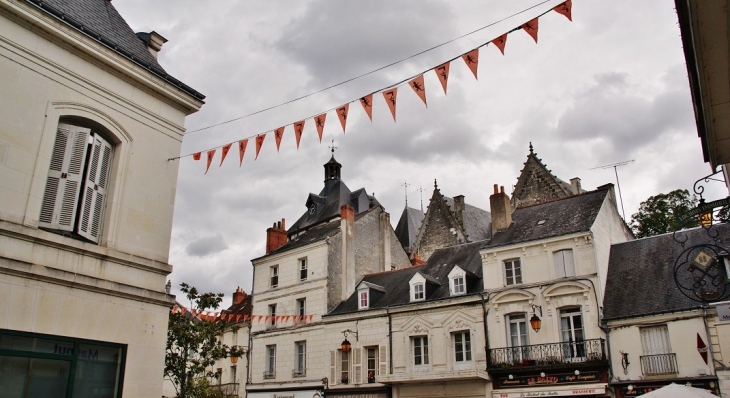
[
  {"x": 345, "y": 362},
  {"x": 363, "y": 296},
  {"x": 419, "y": 291},
  {"x": 562, "y": 269},
  {"x": 303, "y": 268},
  {"x": 274, "y": 276},
  {"x": 272, "y": 315},
  {"x": 270, "y": 372},
  {"x": 465, "y": 343},
  {"x": 419, "y": 346},
  {"x": 376, "y": 365},
  {"x": 514, "y": 266},
  {"x": 301, "y": 307},
  {"x": 300, "y": 358},
  {"x": 459, "y": 288}
]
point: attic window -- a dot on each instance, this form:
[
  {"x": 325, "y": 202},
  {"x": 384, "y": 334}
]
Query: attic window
[{"x": 541, "y": 222}]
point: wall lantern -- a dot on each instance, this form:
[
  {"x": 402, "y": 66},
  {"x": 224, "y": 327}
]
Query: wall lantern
[
  {"x": 234, "y": 358},
  {"x": 535, "y": 321},
  {"x": 346, "y": 346}
]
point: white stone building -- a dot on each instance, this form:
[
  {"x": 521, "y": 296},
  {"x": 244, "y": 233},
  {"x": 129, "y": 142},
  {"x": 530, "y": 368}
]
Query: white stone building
[{"x": 86, "y": 113}]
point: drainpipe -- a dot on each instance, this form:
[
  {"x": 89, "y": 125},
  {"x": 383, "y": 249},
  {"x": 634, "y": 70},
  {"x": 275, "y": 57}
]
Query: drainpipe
[
  {"x": 390, "y": 340},
  {"x": 485, "y": 312}
]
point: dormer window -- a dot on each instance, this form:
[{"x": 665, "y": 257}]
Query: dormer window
[
  {"x": 458, "y": 285},
  {"x": 457, "y": 281},
  {"x": 418, "y": 294},
  {"x": 364, "y": 300}
]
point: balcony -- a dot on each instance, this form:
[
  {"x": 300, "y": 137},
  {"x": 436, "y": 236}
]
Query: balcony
[
  {"x": 228, "y": 389},
  {"x": 589, "y": 352},
  {"x": 661, "y": 364},
  {"x": 269, "y": 374}
]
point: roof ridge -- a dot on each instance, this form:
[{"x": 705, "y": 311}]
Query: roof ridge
[{"x": 393, "y": 270}]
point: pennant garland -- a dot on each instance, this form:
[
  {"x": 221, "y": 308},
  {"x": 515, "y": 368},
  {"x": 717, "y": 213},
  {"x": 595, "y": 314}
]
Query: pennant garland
[
  {"x": 565, "y": 9},
  {"x": 298, "y": 129},
  {"x": 500, "y": 42},
  {"x": 531, "y": 28},
  {"x": 241, "y": 150},
  {"x": 472, "y": 61},
  {"x": 319, "y": 122},
  {"x": 417, "y": 84},
  {"x": 342, "y": 114},
  {"x": 278, "y": 135},
  {"x": 217, "y": 316},
  {"x": 390, "y": 98},
  {"x": 442, "y": 72},
  {"x": 259, "y": 142},
  {"x": 224, "y": 152},
  {"x": 419, "y": 87}
]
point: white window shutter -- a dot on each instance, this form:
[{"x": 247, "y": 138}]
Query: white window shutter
[
  {"x": 95, "y": 189},
  {"x": 334, "y": 361},
  {"x": 60, "y": 199},
  {"x": 382, "y": 351},
  {"x": 569, "y": 264},
  {"x": 357, "y": 366},
  {"x": 559, "y": 264}
]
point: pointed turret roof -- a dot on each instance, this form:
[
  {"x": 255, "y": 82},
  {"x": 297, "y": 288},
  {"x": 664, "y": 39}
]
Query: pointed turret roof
[
  {"x": 536, "y": 184},
  {"x": 407, "y": 229}
]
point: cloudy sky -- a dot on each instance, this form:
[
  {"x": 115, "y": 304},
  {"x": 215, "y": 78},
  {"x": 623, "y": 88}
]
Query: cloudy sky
[{"x": 610, "y": 86}]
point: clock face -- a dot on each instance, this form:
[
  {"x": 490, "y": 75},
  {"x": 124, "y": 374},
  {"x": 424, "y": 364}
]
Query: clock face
[{"x": 312, "y": 209}]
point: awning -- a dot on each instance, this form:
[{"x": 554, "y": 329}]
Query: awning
[{"x": 554, "y": 391}]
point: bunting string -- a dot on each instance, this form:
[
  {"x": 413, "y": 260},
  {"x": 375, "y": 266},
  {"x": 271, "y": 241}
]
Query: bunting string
[
  {"x": 470, "y": 58},
  {"x": 210, "y": 316}
]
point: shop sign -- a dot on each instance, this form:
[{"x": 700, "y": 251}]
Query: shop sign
[
  {"x": 556, "y": 393},
  {"x": 371, "y": 395},
  {"x": 285, "y": 394},
  {"x": 723, "y": 312},
  {"x": 565, "y": 378}
]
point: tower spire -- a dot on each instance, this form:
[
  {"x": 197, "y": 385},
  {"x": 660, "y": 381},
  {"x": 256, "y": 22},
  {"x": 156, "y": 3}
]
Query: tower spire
[
  {"x": 405, "y": 188},
  {"x": 420, "y": 189}
]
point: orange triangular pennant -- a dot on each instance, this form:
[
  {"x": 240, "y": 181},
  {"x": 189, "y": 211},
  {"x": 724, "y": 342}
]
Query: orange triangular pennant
[
  {"x": 531, "y": 28},
  {"x": 319, "y": 122},
  {"x": 184, "y": 310},
  {"x": 241, "y": 150},
  {"x": 224, "y": 152},
  {"x": 278, "y": 134},
  {"x": 442, "y": 72},
  {"x": 367, "y": 104},
  {"x": 390, "y": 98},
  {"x": 259, "y": 142},
  {"x": 472, "y": 61},
  {"x": 298, "y": 130},
  {"x": 196, "y": 156},
  {"x": 286, "y": 318},
  {"x": 565, "y": 9},
  {"x": 342, "y": 114},
  {"x": 210, "y": 155},
  {"x": 500, "y": 42},
  {"x": 419, "y": 87}
]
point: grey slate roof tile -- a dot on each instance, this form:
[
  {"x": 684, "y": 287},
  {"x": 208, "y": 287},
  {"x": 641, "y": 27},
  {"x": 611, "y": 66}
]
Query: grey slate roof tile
[
  {"x": 477, "y": 222},
  {"x": 640, "y": 277},
  {"x": 408, "y": 224}
]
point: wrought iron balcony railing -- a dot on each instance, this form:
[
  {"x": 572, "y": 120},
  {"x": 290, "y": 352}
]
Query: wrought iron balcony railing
[
  {"x": 547, "y": 354},
  {"x": 660, "y": 364},
  {"x": 269, "y": 374},
  {"x": 228, "y": 389}
]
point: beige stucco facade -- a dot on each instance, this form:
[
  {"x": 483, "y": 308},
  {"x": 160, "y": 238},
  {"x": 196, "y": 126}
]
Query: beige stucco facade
[{"x": 113, "y": 291}]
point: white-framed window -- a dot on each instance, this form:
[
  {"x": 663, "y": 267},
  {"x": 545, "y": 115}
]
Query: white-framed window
[
  {"x": 344, "y": 367},
  {"x": 457, "y": 281},
  {"x": 274, "y": 274},
  {"x": 372, "y": 363},
  {"x": 363, "y": 301},
  {"x": 300, "y": 360},
  {"x": 77, "y": 185},
  {"x": 564, "y": 266},
  {"x": 234, "y": 370},
  {"x": 272, "y": 316},
  {"x": 462, "y": 346},
  {"x": 302, "y": 306},
  {"x": 459, "y": 285},
  {"x": 420, "y": 350},
  {"x": 270, "y": 371},
  {"x": 302, "y": 269},
  {"x": 518, "y": 337},
  {"x": 571, "y": 332},
  {"x": 512, "y": 272},
  {"x": 418, "y": 292}
]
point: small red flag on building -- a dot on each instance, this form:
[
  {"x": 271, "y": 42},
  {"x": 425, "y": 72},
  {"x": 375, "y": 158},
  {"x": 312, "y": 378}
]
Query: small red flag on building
[
  {"x": 259, "y": 142},
  {"x": 367, "y": 104},
  {"x": 531, "y": 28},
  {"x": 419, "y": 87},
  {"x": 565, "y": 9},
  {"x": 390, "y": 98},
  {"x": 500, "y": 42},
  {"x": 472, "y": 61},
  {"x": 702, "y": 348},
  {"x": 342, "y": 114},
  {"x": 241, "y": 150},
  {"x": 319, "y": 122}
]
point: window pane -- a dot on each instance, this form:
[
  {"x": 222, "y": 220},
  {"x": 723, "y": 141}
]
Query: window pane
[
  {"x": 42, "y": 378},
  {"x": 97, "y": 371}
]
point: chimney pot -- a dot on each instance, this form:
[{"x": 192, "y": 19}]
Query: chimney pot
[
  {"x": 501, "y": 189},
  {"x": 496, "y": 189},
  {"x": 275, "y": 237},
  {"x": 501, "y": 210},
  {"x": 238, "y": 295},
  {"x": 575, "y": 185}
]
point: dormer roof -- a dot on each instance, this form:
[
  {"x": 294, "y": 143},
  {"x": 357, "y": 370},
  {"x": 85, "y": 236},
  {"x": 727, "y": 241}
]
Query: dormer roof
[{"x": 536, "y": 184}]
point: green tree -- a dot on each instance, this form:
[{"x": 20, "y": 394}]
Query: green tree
[
  {"x": 657, "y": 215},
  {"x": 193, "y": 345}
]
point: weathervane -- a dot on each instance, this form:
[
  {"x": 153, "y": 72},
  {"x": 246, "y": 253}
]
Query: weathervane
[
  {"x": 333, "y": 147},
  {"x": 420, "y": 189},
  {"x": 405, "y": 186}
]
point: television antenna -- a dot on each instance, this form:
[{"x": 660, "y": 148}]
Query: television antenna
[{"x": 615, "y": 170}]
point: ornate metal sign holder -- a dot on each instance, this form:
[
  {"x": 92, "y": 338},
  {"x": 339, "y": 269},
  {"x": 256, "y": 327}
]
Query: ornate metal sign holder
[{"x": 701, "y": 270}]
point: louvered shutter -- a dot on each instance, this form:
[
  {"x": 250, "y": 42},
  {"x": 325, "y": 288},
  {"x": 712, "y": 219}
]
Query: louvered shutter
[
  {"x": 569, "y": 264},
  {"x": 655, "y": 340},
  {"x": 383, "y": 360},
  {"x": 333, "y": 367},
  {"x": 60, "y": 199},
  {"x": 96, "y": 183},
  {"x": 357, "y": 366}
]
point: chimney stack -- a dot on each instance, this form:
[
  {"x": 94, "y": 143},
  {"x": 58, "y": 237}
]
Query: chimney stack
[
  {"x": 459, "y": 209},
  {"x": 238, "y": 296},
  {"x": 347, "y": 230},
  {"x": 500, "y": 209},
  {"x": 575, "y": 185},
  {"x": 275, "y": 236},
  {"x": 153, "y": 40}
]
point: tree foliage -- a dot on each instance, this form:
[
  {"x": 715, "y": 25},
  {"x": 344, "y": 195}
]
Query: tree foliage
[
  {"x": 658, "y": 214},
  {"x": 193, "y": 345}
]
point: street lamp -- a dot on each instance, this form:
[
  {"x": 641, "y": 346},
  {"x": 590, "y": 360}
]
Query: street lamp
[
  {"x": 535, "y": 321},
  {"x": 234, "y": 358},
  {"x": 346, "y": 346}
]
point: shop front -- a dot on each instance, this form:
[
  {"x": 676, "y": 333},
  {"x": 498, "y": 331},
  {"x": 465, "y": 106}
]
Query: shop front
[
  {"x": 585, "y": 384},
  {"x": 635, "y": 388}
]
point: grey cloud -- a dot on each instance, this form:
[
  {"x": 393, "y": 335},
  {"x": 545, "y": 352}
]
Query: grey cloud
[{"x": 206, "y": 246}]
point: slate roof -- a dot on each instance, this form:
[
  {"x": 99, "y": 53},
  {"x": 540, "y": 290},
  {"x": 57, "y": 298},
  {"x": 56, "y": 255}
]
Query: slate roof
[
  {"x": 408, "y": 224},
  {"x": 640, "y": 277},
  {"x": 438, "y": 266},
  {"x": 99, "y": 20},
  {"x": 561, "y": 217},
  {"x": 476, "y": 221}
]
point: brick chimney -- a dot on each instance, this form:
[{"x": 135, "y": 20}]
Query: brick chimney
[
  {"x": 575, "y": 185},
  {"x": 459, "y": 209},
  {"x": 238, "y": 295},
  {"x": 347, "y": 230},
  {"x": 275, "y": 236},
  {"x": 500, "y": 209}
]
